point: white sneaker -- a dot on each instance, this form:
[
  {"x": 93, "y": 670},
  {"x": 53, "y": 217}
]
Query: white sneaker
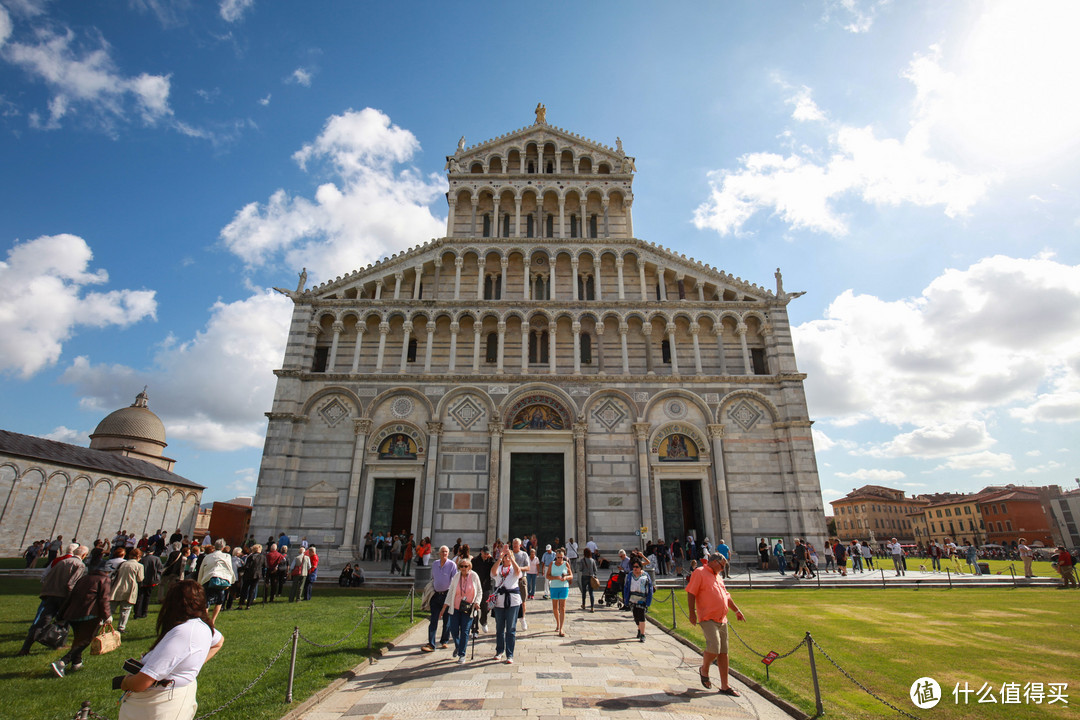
[
  {"x": 461, "y": 660},
  {"x": 509, "y": 661},
  {"x": 498, "y": 656},
  {"x": 524, "y": 624},
  {"x": 485, "y": 628}
]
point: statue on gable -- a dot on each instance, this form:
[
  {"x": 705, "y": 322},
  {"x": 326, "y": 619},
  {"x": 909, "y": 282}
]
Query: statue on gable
[
  {"x": 461, "y": 144},
  {"x": 451, "y": 163},
  {"x": 541, "y": 114},
  {"x": 303, "y": 281}
]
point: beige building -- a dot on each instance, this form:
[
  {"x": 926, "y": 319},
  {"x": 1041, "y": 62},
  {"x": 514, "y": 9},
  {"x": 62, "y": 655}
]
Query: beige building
[
  {"x": 121, "y": 482},
  {"x": 877, "y": 514},
  {"x": 539, "y": 370}
]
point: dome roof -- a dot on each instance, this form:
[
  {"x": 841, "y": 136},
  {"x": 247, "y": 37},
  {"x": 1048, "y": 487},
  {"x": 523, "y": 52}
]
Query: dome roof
[{"x": 136, "y": 422}]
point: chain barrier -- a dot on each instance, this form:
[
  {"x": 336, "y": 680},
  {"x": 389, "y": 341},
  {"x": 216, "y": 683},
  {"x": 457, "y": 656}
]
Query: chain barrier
[
  {"x": 789, "y": 653},
  {"x": 250, "y": 685},
  {"x": 862, "y": 687}
]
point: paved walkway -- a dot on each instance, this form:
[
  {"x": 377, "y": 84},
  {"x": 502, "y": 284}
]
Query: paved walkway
[{"x": 598, "y": 670}]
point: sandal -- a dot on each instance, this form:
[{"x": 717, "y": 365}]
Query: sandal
[
  {"x": 705, "y": 681},
  {"x": 730, "y": 691}
]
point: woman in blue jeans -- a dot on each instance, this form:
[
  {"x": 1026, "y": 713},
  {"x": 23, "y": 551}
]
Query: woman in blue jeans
[
  {"x": 462, "y": 599},
  {"x": 504, "y": 583}
]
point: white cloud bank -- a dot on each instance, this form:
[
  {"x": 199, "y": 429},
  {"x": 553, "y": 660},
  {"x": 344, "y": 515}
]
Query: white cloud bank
[
  {"x": 233, "y": 10},
  {"x": 993, "y": 107},
  {"x": 1000, "y": 336},
  {"x": 44, "y": 300},
  {"x": 371, "y": 208},
  {"x": 211, "y": 390},
  {"x": 84, "y": 77}
]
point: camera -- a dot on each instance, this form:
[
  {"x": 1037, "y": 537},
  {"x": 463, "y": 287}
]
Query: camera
[{"x": 131, "y": 667}]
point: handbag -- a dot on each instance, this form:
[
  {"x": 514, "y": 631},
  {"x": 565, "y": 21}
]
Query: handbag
[
  {"x": 54, "y": 635},
  {"x": 491, "y": 600},
  {"x": 107, "y": 640},
  {"x": 594, "y": 583}
]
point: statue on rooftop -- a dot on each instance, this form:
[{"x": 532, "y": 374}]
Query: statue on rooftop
[{"x": 541, "y": 114}]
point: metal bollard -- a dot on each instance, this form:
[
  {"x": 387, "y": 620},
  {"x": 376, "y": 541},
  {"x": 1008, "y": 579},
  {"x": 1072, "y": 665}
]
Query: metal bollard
[
  {"x": 292, "y": 664},
  {"x": 672, "y": 608},
  {"x": 84, "y": 711},
  {"x": 749, "y": 579},
  {"x": 412, "y": 604},
  {"x": 949, "y": 576},
  {"x": 1012, "y": 571},
  {"x": 813, "y": 674},
  {"x": 882, "y": 577},
  {"x": 370, "y": 628}
]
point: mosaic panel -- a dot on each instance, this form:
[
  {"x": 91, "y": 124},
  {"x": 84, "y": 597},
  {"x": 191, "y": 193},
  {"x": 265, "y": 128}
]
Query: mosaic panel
[{"x": 745, "y": 414}]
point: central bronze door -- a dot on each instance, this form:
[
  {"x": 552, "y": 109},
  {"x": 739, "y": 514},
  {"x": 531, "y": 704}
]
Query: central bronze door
[
  {"x": 681, "y": 505},
  {"x": 537, "y": 497}
]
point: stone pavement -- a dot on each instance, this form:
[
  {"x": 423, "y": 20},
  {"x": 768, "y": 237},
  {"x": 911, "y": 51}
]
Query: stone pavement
[{"x": 598, "y": 670}]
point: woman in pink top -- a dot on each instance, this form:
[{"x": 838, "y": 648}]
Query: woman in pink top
[{"x": 462, "y": 599}]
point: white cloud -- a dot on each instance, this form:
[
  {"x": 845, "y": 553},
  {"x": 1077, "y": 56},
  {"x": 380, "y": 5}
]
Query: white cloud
[
  {"x": 211, "y": 390},
  {"x": 369, "y": 210},
  {"x": 244, "y": 483},
  {"x": 5, "y": 26},
  {"x": 987, "y": 105},
  {"x": 806, "y": 110},
  {"x": 1003, "y": 333},
  {"x": 1044, "y": 468},
  {"x": 300, "y": 76},
  {"x": 68, "y": 435},
  {"x": 985, "y": 461},
  {"x": 266, "y": 100},
  {"x": 822, "y": 442},
  {"x": 857, "y": 16},
  {"x": 873, "y": 475},
  {"x": 87, "y": 78},
  {"x": 829, "y": 492},
  {"x": 43, "y": 300},
  {"x": 1033, "y": 453},
  {"x": 233, "y": 10},
  {"x": 939, "y": 440}
]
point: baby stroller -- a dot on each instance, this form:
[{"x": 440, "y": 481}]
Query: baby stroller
[{"x": 613, "y": 590}]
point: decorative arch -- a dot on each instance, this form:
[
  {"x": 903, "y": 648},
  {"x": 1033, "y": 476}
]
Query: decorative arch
[
  {"x": 678, "y": 442},
  {"x": 694, "y": 399},
  {"x": 333, "y": 390},
  {"x": 398, "y": 391},
  {"x": 398, "y": 441},
  {"x": 538, "y": 410},
  {"x": 731, "y": 410}
]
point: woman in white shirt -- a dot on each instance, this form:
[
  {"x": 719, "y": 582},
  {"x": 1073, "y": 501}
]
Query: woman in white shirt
[
  {"x": 532, "y": 573},
  {"x": 165, "y": 687},
  {"x": 504, "y": 583},
  {"x": 462, "y": 598}
]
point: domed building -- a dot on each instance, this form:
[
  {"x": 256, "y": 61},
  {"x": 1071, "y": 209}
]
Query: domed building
[{"x": 121, "y": 482}]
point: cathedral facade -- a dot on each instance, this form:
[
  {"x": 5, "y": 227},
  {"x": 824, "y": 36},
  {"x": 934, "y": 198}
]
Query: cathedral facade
[{"x": 539, "y": 370}]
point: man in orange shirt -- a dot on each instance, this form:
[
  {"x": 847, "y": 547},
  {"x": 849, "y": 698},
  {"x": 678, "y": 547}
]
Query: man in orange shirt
[{"x": 708, "y": 601}]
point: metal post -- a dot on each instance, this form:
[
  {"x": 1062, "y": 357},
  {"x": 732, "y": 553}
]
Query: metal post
[
  {"x": 84, "y": 711},
  {"x": 813, "y": 674},
  {"x": 882, "y": 577},
  {"x": 1013, "y": 573},
  {"x": 749, "y": 579},
  {"x": 672, "y": 608},
  {"x": 292, "y": 663},
  {"x": 949, "y": 576},
  {"x": 818, "y": 576},
  {"x": 370, "y": 628},
  {"x": 412, "y": 604}
]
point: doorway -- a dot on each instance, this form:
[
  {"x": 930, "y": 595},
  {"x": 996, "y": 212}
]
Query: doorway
[
  {"x": 537, "y": 496},
  {"x": 681, "y": 504},
  {"x": 392, "y": 505}
]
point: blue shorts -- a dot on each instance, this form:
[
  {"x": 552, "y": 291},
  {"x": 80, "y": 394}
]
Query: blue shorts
[{"x": 559, "y": 593}]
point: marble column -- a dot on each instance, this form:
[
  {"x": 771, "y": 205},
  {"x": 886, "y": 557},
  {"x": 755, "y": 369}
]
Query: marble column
[
  {"x": 680, "y": 283},
  {"x": 627, "y": 204},
  {"x": 458, "y": 262},
  {"x": 576, "y": 278},
  {"x": 716, "y": 434},
  {"x": 397, "y": 284},
  {"x": 495, "y": 433},
  {"x": 527, "y": 279},
  {"x": 517, "y": 217},
  {"x": 552, "y": 327},
  {"x": 576, "y": 327},
  {"x": 360, "y": 330},
  {"x": 619, "y": 268},
  {"x": 641, "y": 279},
  {"x": 524, "y": 348},
  {"x": 661, "y": 279},
  {"x": 454, "y": 328},
  {"x": 338, "y": 326},
  {"x": 427, "y": 509},
  {"x": 504, "y": 263},
  {"x": 478, "y": 329},
  {"x": 623, "y": 329},
  {"x": 671, "y": 348},
  {"x": 718, "y": 331},
  {"x": 740, "y": 330},
  {"x": 646, "y": 333},
  {"x": 418, "y": 279},
  {"x": 378, "y": 289},
  {"x": 438, "y": 278},
  {"x": 429, "y": 346},
  {"x": 601, "y": 361},
  {"x": 562, "y": 217},
  {"x": 551, "y": 277},
  {"x": 384, "y": 328},
  {"x": 648, "y": 515},
  {"x": 604, "y": 205},
  {"x": 694, "y": 330},
  {"x": 406, "y": 333},
  {"x": 481, "y": 266},
  {"x": 452, "y": 202},
  {"x": 361, "y": 428},
  {"x": 472, "y": 222},
  {"x": 581, "y": 428},
  {"x": 502, "y": 346}
]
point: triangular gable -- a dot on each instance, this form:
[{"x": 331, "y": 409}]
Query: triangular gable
[{"x": 536, "y": 132}]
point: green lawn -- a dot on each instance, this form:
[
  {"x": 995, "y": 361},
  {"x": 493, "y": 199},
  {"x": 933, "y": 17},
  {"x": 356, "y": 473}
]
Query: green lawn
[
  {"x": 252, "y": 638},
  {"x": 888, "y": 640}
]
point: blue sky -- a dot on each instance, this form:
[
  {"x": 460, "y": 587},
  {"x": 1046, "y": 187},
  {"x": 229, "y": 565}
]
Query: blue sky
[{"x": 911, "y": 166}]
